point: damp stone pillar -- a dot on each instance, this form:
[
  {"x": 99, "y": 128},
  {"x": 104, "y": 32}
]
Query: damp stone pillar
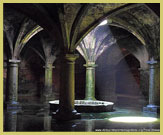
[
  {"x": 66, "y": 109},
  {"x": 152, "y": 107},
  {"x": 12, "y": 85},
  {"x": 47, "y": 94},
  {"x": 90, "y": 81}
]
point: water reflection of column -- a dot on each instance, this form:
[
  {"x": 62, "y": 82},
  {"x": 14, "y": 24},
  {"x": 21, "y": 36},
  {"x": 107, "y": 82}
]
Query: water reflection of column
[
  {"x": 89, "y": 125},
  {"x": 90, "y": 81},
  {"x": 47, "y": 121},
  {"x": 11, "y": 120},
  {"x": 12, "y": 84}
]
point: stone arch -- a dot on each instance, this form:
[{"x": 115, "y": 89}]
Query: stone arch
[
  {"x": 142, "y": 23},
  {"x": 126, "y": 45}
]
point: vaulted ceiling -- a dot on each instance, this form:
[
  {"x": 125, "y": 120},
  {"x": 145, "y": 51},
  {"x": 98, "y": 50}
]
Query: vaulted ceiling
[{"x": 69, "y": 23}]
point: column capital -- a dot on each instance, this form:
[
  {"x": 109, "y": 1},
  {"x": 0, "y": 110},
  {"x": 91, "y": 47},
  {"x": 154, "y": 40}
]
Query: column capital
[
  {"x": 14, "y": 61},
  {"x": 152, "y": 61},
  {"x": 71, "y": 57},
  {"x": 90, "y": 64},
  {"x": 49, "y": 65}
]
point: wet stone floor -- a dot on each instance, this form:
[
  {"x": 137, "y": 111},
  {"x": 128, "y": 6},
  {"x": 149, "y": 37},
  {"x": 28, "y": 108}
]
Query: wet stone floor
[{"x": 40, "y": 120}]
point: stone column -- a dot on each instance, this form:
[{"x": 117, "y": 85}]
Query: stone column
[
  {"x": 67, "y": 89},
  {"x": 90, "y": 81},
  {"x": 48, "y": 81},
  {"x": 12, "y": 84},
  {"x": 152, "y": 64},
  {"x": 152, "y": 107}
]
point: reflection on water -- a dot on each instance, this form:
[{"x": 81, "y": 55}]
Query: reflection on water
[
  {"x": 41, "y": 120},
  {"x": 47, "y": 122},
  {"x": 89, "y": 125},
  {"x": 11, "y": 120}
]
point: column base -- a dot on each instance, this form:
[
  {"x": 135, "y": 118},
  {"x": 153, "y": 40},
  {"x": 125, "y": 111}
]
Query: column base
[
  {"x": 12, "y": 105},
  {"x": 151, "y": 109},
  {"x": 66, "y": 115}
]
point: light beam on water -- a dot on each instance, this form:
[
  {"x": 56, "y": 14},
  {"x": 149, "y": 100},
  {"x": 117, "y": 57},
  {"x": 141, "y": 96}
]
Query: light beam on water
[{"x": 133, "y": 119}]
